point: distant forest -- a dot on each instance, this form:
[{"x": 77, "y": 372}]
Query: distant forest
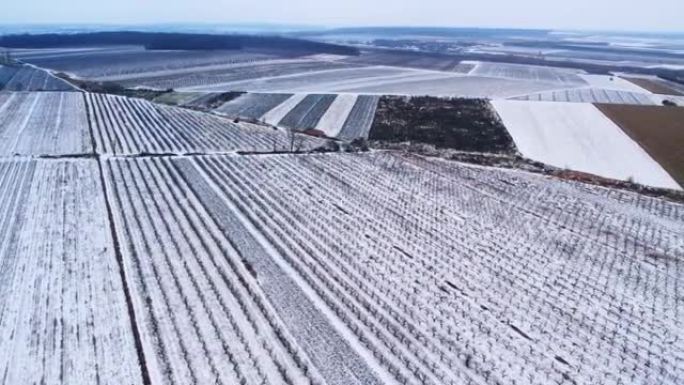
[{"x": 172, "y": 41}]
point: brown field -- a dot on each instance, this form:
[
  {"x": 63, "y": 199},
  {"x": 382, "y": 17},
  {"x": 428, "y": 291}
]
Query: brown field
[
  {"x": 653, "y": 86},
  {"x": 659, "y": 130}
]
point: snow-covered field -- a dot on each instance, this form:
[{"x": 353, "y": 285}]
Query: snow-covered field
[
  {"x": 252, "y": 106},
  {"x": 131, "y": 264},
  {"x": 63, "y": 314},
  {"x": 565, "y": 76},
  {"x": 133, "y": 126},
  {"x": 43, "y": 123},
  {"x": 393, "y": 269},
  {"x": 27, "y": 78},
  {"x": 343, "y": 116},
  {"x": 383, "y": 80},
  {"x": 336, "y": 115},
  {"x": 579, "y": 137}
]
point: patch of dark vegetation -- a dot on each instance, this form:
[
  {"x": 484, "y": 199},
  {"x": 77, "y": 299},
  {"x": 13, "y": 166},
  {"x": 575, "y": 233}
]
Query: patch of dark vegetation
[
  {"x": 455, "y": 123},
  {"x": 172, "y": 41}
]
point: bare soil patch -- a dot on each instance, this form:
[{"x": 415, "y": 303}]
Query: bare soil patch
[
  {"x": 659, "y": 130},
  {"x": 654, "y": 86}
]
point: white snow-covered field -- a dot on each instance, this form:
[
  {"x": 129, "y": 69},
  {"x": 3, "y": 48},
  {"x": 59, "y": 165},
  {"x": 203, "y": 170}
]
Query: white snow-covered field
[
  {"x": 277, "y": 114},
  {"x": 579, "y": 137},
  {"x": 43, "y": 123},
  {"x": 348, "y": 116},
  {"x": 336, "y": 115},
  {"x": 128, "y": 126},
  {"x": 165, "y": 256},
  {"x": 565, "y": 76},
  {"x": 63, "y": 314},
  {"x": 385, "y": 80}
]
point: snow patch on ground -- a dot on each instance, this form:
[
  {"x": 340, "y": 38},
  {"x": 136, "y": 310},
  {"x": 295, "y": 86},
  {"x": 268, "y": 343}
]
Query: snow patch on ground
[
  {"x": 334, "y": 118},
  {"x": 579, "y": 137},
  {"x": 274, "y": 116}
]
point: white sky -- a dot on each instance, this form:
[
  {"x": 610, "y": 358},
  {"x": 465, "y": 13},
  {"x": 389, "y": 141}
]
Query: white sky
[{"x": 655, "y": 15}]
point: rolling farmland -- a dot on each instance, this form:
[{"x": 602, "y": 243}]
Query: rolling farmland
[
  {"x": 215, "y": 244},
  {"x": 360, "y": 118},
  {"x": 132, "y": 126},
  {"x": 63, "y": 316},
  {"x": 336, "y": 115},
  {"x": 252, "y": 106},
  {"x": 575, "y": 136},
  {"x": 43, "y": 123},
  {"x": 563, "y": 76},
  {"x": 118, "y": 63},
  {"x": 420, "y": 307},
  {"x": 26, "y": 78},
  {"x": 161, "y": 255},
  {"x": 342, "y": 116},
  {"x": 308, "y": 112}
]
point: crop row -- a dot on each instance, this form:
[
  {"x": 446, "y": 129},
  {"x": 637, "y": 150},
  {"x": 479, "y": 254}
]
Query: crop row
[
  {"x": 252, "y": 106},
  {"x": 206, "y": 79},
  {"x": 133, "y": 126},
  {"x": 345, "y": 117},
  {"x": 63, "y": 315},
  {"x": 202, "y": 311},
  {"x": 27, "y": 78},
  {"x": 452, "y": 274},
  {"x": 45, "y": 123}
]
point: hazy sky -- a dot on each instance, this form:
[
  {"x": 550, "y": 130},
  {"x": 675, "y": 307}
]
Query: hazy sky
[{"x": 564, "y": 14}]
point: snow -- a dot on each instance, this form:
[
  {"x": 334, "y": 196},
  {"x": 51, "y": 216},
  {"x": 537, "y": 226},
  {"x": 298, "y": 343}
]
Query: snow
[
  {"x": 346, "y": 268},
  {"x": 565, "y": 76},
  {"x": 277, "y": 114},
  {"x": 334, "y": 118},
  {"x": 407, "y": 254},
  {"x": 63, "y": 315},
  {"x": 579, "y": 137},
  {"x": 142, "y": 127},
  {"x": 43, "y": 123}
]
